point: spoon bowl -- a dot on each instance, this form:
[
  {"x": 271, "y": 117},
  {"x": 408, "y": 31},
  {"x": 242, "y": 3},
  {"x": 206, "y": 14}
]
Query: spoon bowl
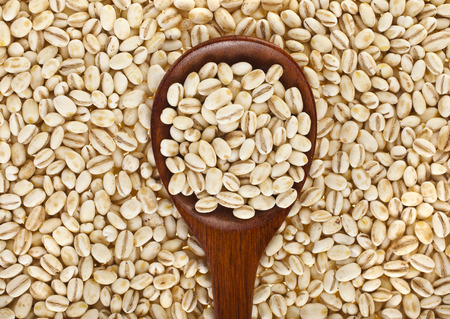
[{"x": 232, "y": 246}]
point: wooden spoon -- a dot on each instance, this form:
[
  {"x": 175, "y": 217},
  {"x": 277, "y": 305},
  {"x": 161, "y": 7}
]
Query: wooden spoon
[{"x": 232, "y": 246}]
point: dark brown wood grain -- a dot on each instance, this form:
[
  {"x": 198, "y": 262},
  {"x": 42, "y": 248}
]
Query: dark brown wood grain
[{"x": 232, "y": 246}]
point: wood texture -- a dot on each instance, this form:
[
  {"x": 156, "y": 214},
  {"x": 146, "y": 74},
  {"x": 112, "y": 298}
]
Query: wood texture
[{"x": 232, "y": 246}]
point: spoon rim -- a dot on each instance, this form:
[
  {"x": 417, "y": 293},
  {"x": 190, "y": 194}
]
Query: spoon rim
[{"x": 222, "y": 218}]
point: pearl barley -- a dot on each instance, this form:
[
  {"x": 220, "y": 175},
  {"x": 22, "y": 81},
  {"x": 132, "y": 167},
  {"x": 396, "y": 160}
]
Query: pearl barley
[{"x": 247, "y": 167}]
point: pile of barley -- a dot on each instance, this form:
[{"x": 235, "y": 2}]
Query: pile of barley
[
  {"x": 241, "y": 146},
  {"x": 86, "y": 228}
]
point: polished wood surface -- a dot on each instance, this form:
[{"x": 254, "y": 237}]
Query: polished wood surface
[{"x": 233, "y": 247}]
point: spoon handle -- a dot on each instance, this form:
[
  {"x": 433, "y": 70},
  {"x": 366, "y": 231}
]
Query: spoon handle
[
  {"x": 233, "y": 260},
  {"x": 233, "y": 275}
]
